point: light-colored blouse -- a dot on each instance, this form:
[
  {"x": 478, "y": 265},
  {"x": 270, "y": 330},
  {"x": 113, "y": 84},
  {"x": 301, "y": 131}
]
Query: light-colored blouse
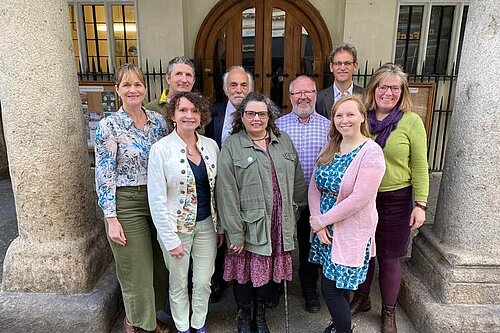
[{"x": 121, "y": 154}]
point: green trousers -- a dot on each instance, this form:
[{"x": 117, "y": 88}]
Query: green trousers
[{"x": 140, "y": 267}]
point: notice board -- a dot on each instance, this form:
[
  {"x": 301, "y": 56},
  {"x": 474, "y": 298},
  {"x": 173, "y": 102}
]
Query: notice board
[
  {"x": 99, "y": 100},
  {"x": 422, "y": 96}
]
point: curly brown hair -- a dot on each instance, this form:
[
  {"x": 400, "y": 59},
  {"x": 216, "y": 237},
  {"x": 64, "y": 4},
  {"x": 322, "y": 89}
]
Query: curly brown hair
[
  {"x": 272, "y": 109},
  {"x": 199, "y": 102}
]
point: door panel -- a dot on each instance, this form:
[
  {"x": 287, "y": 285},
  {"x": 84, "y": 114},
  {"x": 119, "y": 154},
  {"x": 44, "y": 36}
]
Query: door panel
[{"x": 274, "y": 40}]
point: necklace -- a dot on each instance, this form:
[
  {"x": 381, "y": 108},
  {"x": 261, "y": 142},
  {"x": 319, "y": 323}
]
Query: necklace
[
  {"x": 265, "y": 136},
  {"x": 190, "y": 152}
]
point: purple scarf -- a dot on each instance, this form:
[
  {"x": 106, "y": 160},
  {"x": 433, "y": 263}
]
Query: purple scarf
[{"x": 383, "y": 128}]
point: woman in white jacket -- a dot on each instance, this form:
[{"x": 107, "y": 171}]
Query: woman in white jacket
[{"x": 181, "y": 182}]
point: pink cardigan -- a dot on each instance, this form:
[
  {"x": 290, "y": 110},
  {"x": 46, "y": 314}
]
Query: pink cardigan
[{"x": 354, "y": 217}]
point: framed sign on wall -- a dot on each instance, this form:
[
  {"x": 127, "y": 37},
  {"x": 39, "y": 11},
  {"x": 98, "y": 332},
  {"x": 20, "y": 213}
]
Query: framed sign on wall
[
  {"x": 422, "y": 96},
  {"x": 99, "y": 100}
]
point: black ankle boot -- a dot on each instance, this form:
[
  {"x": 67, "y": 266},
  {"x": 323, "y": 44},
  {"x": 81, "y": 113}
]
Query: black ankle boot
[
  {"x": 259, "y": 319},
  {"x": 244, "y": 318}
]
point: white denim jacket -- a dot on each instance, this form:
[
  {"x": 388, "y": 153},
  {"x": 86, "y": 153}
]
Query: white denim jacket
[{"x": 172, "y": 187}]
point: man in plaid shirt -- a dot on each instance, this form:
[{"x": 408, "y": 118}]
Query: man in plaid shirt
[{"x": 309, "y": 133}]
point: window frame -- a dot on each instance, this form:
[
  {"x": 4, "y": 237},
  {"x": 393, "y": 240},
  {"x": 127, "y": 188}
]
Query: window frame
[
  {"x": 424, "y": 32},
  {"x": 108, "y": 15}
]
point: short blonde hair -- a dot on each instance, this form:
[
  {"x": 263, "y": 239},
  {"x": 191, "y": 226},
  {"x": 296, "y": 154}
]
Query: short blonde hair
[{"x": 128, "y": 69}]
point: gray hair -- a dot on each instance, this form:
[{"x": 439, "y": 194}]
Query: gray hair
[
  {"x": 179, "y": 60},
  {"x": 240, "y": 68},
  {"x": 344, "y": 47}
]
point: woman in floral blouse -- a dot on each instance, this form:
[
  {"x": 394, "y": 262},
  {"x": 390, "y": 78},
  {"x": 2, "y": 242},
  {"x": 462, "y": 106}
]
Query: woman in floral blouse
[
  {"x": 181, "y": 183},
  {"x": 122, "y": 145}
]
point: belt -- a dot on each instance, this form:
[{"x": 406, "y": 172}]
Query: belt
[{"x": 330, "y": 194}]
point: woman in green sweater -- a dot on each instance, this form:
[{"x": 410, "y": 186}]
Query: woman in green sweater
[{"x": 402, "y": 196}]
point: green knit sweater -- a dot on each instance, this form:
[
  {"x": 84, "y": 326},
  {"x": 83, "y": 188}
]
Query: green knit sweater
[{"x": 405, "y": 156}]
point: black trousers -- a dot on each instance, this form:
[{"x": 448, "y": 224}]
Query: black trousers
[
  {"x": 246, "y": 293},
  {"x": 218, "y": 276},
  {"x": 308, "y": 272},
  {"x": 337, "y": 301}
]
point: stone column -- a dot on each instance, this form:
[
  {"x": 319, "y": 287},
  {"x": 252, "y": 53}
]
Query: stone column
[
  {"x": 61, "y": 247},
  {"x": 457, "y": 260}
]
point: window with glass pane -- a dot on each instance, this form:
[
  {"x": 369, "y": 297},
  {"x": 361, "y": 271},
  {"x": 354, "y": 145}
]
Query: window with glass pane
[
  {"x": 408, "y": 37},
  {"x": 125, "y": 34},
  {"x": 438, "y": 42},
  {"x": 461, "y": 39},
  {"x": 74, "y": 36},
  {"x": 306, "y": 54},
  {"x": 278, "y": 52},
  {"x": 96, "y": 37},
  {"x": 248, "y": 42},
  {"x": 219, "y": 67}
]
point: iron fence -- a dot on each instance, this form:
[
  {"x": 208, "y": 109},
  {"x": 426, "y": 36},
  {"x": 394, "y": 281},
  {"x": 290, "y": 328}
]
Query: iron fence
[{"x": 444, "y": 97}]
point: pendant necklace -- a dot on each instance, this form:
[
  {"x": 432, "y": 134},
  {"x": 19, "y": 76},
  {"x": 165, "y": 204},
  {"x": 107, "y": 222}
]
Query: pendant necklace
[{"x": 190, "y": 152}]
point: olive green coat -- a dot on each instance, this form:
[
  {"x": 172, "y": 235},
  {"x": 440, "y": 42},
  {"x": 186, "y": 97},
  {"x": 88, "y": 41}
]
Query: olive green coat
[{"x": 245, "y": 193}]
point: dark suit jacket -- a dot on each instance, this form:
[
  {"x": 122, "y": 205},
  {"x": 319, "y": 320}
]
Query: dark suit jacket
[
  {"x": 324, "y": 101},
  {"x": 213, "y": 129}
]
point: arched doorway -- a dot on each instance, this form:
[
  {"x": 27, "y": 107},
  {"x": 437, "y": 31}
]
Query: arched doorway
[{"x": 275, "y": 40}]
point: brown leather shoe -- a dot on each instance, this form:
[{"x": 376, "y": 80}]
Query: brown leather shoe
[
  {"x": 389, "y": 319},
  {"x": 128, "y": 328},
  {"x": 161, "y": 327},
  {"x": 360, "y": 303}
]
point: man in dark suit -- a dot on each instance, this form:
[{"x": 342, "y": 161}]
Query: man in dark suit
[
  {"x": 343, "y": 63},
  {"x": 237, "y": 83}
]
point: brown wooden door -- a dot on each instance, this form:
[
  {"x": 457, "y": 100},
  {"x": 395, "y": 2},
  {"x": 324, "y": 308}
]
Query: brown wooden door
[{"x": 275, "y": 40}]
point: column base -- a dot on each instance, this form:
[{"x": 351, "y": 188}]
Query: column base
[
  {"x": 455, "y": 276},
  {"x": 65, "y": 266},
  {"x": 95, "y": 311},
  {"x": 429, "y": 314}
]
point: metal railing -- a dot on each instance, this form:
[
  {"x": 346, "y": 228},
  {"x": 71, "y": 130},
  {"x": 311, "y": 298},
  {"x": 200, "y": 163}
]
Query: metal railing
[{"x": 444, "y": 98}]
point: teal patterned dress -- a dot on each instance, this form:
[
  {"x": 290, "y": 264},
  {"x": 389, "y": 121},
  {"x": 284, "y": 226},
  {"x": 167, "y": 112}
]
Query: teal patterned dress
[{"x": 328, "y": 178}]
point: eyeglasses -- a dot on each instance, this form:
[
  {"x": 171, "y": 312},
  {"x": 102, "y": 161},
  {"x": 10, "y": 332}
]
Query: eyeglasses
[
  {"x": 252, "y": 114},
  {"x": 394, "y": 89},
  {"x": 302, "y": 93},
  {"x": 342, "y": 63}
]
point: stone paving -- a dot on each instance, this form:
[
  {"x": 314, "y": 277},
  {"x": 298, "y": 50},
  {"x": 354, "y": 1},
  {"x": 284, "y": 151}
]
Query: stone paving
[{"x": 222, "y": 316}]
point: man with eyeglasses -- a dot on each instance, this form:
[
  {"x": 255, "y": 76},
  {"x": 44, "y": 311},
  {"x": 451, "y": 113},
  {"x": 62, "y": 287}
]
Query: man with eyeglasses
[
  {"x": 237, "y": 83},
  {"x": 309, "y": 133},
  {"x": 343, "y": 64}
]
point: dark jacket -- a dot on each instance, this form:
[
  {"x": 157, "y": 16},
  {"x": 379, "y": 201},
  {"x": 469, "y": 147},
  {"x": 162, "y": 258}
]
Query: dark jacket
[
  {"x": 325, "y": 99},
  {"x": 213, "y": 130}
]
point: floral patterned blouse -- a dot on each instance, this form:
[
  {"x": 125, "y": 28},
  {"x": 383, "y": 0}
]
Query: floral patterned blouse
[{"x": 121, "y": 154}]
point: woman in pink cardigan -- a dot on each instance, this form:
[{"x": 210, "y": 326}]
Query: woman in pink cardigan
[{"x": 342, "y": 196}]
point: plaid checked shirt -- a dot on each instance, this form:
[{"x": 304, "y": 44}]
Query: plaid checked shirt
[{"x": 308, "y": 138}]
